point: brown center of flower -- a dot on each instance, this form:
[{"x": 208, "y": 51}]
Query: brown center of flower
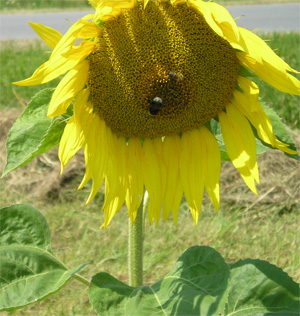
[{"x": 160, "y": 71}]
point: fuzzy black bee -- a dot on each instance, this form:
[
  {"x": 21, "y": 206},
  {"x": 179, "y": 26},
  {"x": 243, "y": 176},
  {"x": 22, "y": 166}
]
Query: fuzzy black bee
[
  {"x": 175, "y": 76},
  {"x": 155, "y": 105}
]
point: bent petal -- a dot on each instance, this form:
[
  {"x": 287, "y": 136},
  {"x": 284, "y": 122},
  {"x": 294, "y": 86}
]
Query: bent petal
[
  {"x": 50, "y": 70},
  {"x": 277, "y": 77},
  {"x": 49, "y": 35},
  {"x": 69, "y": 144},
  {"x": 213, "y": 163},
  {"x": 249, "y": 105},
  {"x": 67, "y": 89},
  {"x": 240, "y": 144}
]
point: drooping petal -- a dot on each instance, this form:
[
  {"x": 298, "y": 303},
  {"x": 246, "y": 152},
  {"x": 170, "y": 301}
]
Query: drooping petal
[
  {"x": 248, "y": 103},
  {"x": 88, "y": 16},
  {"x": 274, "y": 74},
  {"x": 49, "y": 35},
  {"x": 68, "y": 88},
  {"x": 67, "y": 41},
  {"x": 73, "y": 136},
  {"x": 213, "y": 163},
  {"x": 259, "y": 50},
  {"x": 90, "y": 29},
  {"x": 94, "y": 3},
  {"x": 69, "y": 144},
  {"x": 95, "y": 158},
  {"x": 192, "y": 170},
  {"x": 240, "y": 144},
  {"x": 115, "y": 180},
  {"x": 48, "y": 71},
  {"x": 80, "y": 52},
  {"x": 152, "y": 174},
  {"x": 173, "y": 186}
]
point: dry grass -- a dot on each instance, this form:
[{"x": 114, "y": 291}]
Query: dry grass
[{"x": 40, "y": 178}]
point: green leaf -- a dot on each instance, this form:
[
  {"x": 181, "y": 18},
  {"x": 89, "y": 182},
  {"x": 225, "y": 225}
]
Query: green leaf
[
  {"x": 197, "y": 285},
  {"x": 280, "y": 131},
  {"x": 28, "y": 269},
  {"x": 247, "y": 73},
  {"x": 33, "y": 133},
  {"x": 260, "y": 288}
]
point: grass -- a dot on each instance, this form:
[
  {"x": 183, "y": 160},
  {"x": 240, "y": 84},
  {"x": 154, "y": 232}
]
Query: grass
[
  {"x": 246, "y": 226},
  {"x": 30, "y": 54},
  {"x": 234, "y": 232},
  {"x": 17, "y": 5}
]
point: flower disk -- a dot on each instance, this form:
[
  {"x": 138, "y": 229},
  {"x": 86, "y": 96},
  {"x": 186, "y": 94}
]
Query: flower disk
[{"x": 160, "y": 71}]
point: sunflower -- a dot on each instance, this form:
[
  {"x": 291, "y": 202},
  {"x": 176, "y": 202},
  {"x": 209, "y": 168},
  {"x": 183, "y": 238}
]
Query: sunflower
[{"x": 147, "y": 79}]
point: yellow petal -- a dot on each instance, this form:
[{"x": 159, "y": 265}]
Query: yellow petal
[
  {"x": 275, "y": 76},
  {"x": 176, "y": 203},
  {"x": 69, "y": 144},
  {"x": 193, "y": 170},
  {"x": 48, "y": 71},
  {"x": 135, "y": 183},
  {"x": 204, "y": 10},
  {"x": 89, "y": 145},
  {"x": 152, "y": 179},
  {"x": 89, "y": 16},
  {"x": 89, "y": 30},
  {"x": 173, "y": 185},
  {"x": 83, "y": 113},
  {"x": 108, "y": 9},
  {"x": 49, "y": 35},
  {"x": 198, "y": 161},
  {"x": 111, "y": 210},
  {"x": 213, "y": 163},
  {"x": 96, "y": 159},
  {"x": 224, "y": 19},
  {"x": 94, "y": 3},
  {"x": 67, "y": 41},
  {"x": 240, "y": 144},
  {"x": 68, "y": 88},
  {"x": 115, "y": 183},
  {"x": 249, "y": 105},
  {"x": 80, "y": 52},
  {"x": 259, "y": 50},
  {"x": 145, "y": 3}
]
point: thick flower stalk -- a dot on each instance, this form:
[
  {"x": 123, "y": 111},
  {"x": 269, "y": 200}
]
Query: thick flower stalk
[{"x": 147, "y": 78}]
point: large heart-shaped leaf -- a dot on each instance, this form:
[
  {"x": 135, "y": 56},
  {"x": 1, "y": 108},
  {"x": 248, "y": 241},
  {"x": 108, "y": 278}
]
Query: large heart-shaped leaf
[
  {"x": 259, "y": 288},
  {"x": 28, "y": 269},
  {"x": 33, "y": 133},
  {"x": 197, "y": 285}
]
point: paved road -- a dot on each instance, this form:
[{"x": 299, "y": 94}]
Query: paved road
[{"x": 266, "y": 18}]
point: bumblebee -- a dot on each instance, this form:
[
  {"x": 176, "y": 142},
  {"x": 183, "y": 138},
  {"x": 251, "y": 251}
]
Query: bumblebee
[
  {"x": 155, "y": 105},
  {"x": 175, "y": 76}
]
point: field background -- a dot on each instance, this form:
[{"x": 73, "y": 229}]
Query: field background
[
  {"x": 21, "y": 5},
  {"x": 264, "y": 226}
]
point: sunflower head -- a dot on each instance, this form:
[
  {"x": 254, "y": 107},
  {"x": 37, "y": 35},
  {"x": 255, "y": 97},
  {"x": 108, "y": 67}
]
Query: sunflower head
[
  {"x": 166, "y": 71},
  {"x": 148, "y": 78}
]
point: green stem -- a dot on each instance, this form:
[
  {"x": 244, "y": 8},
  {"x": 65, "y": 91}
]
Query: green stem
[
  {"x": 135, "y": 245},
  {"x": 81, "y": 279}
]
